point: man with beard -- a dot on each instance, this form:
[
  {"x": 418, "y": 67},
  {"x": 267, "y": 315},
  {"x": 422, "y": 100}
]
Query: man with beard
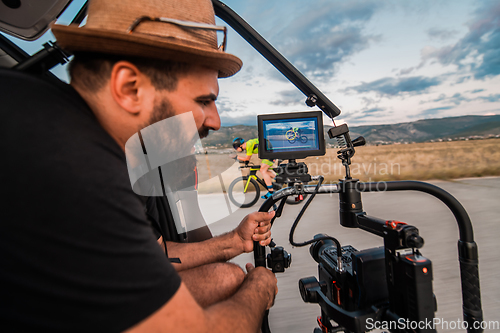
[{"x": 80, "y": 255}]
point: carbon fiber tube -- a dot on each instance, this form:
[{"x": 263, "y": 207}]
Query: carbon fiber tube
[
  {"x": 463, "y": 220},
  {"x": 259, "y": 256},
  {"x": 259, "y": 251}
]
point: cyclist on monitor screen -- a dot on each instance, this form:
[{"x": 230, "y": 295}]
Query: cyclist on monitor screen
[{"x": 252, "y": 147}]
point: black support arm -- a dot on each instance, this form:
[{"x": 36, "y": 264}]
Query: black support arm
[{"x": 315, "y": 96}]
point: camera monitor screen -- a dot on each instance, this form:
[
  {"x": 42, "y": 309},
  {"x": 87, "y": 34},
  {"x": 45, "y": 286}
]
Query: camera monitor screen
[{"x": 291, "y": 135}]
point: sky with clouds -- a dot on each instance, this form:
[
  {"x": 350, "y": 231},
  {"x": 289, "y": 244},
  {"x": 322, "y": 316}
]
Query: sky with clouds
[{"x": 379, "y": 61}]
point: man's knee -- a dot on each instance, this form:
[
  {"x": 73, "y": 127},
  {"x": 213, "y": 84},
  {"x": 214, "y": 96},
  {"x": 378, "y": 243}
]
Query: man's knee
[
  {"x": 224, "y": 275},
  {"x": 231, "y": 276},
  {"x": 213, "y": 283}
]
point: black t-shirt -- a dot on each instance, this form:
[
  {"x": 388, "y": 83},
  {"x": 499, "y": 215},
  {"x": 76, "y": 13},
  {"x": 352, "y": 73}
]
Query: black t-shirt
[{"x": 77, "y": 252}]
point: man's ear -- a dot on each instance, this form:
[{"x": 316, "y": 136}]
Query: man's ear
[{"x": 130, "y": 88}]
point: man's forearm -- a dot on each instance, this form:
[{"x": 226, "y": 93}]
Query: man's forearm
[
  {"x": 240, "y": 313},
  {"x": 245, "y": 158},
  {"x": 254, "y": 227},
  {"x": 217, "y": 249}
]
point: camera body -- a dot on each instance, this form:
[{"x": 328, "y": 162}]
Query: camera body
[
  {"x": 362, "y": 281},
  {"x": 384, "y": 283}
]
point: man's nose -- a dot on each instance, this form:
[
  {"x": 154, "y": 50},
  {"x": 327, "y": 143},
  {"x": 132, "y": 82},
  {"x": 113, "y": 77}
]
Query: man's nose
[{"x": 212, "y": 119}]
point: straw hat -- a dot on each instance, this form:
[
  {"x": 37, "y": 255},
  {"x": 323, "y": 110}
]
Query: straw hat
[{"x": 160, "y": 31}]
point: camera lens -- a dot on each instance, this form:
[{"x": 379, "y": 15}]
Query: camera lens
[{"x": 306, "y": 288}]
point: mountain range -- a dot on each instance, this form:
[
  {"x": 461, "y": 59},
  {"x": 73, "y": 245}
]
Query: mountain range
[{"x": 454, "y": 128}]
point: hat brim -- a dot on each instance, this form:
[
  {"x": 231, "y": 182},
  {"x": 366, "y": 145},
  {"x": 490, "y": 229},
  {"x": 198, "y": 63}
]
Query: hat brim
[{"x": 74, "y": 39}]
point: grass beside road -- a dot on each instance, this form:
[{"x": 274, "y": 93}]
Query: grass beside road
[{"x": 417, "y": 161}]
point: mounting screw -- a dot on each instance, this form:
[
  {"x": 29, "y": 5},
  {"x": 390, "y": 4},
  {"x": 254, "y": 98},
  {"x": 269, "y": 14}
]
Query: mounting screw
[{"x": 311, "y": 100}]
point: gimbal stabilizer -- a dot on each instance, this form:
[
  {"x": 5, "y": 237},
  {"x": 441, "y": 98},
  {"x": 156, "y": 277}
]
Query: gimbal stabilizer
[{"x": 392, "y": 283}]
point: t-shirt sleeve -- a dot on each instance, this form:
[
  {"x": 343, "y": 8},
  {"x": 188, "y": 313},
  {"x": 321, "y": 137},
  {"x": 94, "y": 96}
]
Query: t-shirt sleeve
[
  {"x": 250, "y": 146},
  {"x": 77, "y": 252}
]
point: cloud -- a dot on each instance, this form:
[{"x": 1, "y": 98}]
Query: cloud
[
  {"x": 463, "y": 79},
  {"x": 457, "y": 99},
  {"x": 368, "y": 116},
  {"x": 224, "y": 105},
  {"x": 289, "y": 97},
  {"x": 440, "y": 98},
  {"x": 481, "y": 44},
  {"x": 394, "y": 86},
  {"x": 235, "y": 119},
  {"x": 367, "y": 101},
  {"x": 325, "y": 35},
  {"x": 475, "y": 91},
  {"x": 406, "y": 71},
  {"x": 441, "y": 34},
  {"x": 434, "y": 111},
  {"x": 373, "y": 111},
  {"x": 490, "y": 98},
  {"x": 233, "y": 112}
]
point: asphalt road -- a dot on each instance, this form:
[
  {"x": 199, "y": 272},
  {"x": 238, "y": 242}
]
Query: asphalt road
[{"x": 479, "y": 196}]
